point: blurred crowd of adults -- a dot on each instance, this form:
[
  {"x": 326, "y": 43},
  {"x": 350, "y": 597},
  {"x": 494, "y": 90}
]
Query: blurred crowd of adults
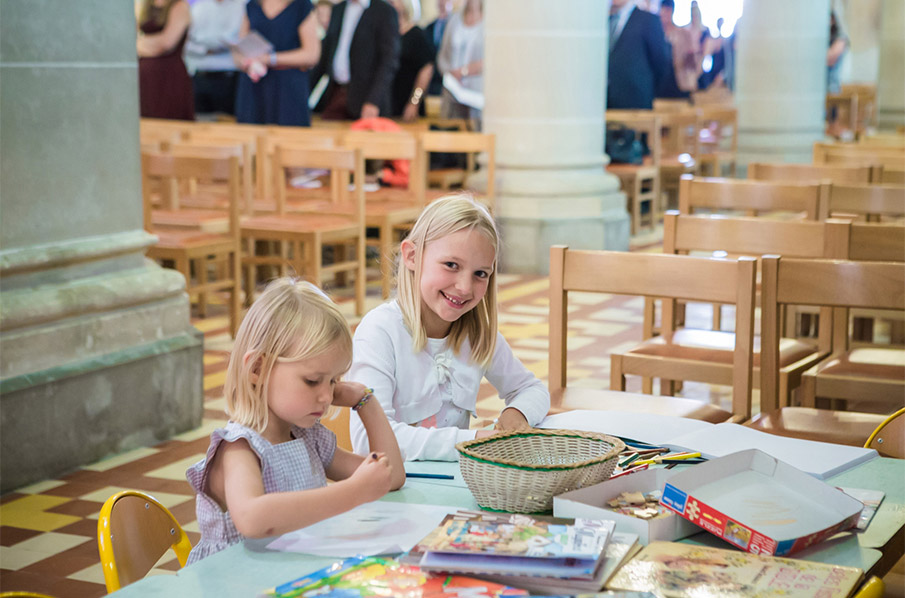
[{"x": 277, "y": 61}]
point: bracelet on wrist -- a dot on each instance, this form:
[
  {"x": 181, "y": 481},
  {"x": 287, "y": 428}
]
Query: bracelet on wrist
[
  {"x": 273, "y": 59},
  {"x": 416, "y": 96},
  {"x": 368, "y": 396}
]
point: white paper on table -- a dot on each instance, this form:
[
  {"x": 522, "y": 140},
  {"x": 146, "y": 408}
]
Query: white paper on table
[
  {"x": 462, "y": 94},
  {"x": 370, "y": 529}
]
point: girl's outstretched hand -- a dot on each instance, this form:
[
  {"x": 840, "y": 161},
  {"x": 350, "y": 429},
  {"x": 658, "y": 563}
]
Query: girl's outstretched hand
[
  {"x": 512, "y": 419},
  {"x": 374, "y": 476},
  {"x": 348, "y": 394}
]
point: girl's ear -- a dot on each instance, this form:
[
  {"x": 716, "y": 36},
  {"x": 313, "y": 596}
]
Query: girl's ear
[
  {"x": 408, "y": 254},
  {"x": 255, "y": 367}
]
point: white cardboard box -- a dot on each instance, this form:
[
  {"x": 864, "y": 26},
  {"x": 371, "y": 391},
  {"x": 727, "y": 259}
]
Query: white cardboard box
[
  {"x": 591, "y": 502},
  {"x": 759, "y": 503}
]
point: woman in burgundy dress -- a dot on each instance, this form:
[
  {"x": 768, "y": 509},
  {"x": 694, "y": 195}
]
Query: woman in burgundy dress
[{"x": 165, "y": 88}]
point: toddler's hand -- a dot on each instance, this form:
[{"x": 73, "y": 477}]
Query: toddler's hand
[
  {"x": 348, "y": 394},
  {"x": 374, "y": 476},
  {"x": 484, "y": 434}
]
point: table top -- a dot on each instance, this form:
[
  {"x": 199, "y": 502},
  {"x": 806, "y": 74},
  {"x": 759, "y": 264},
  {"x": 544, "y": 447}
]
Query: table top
[{"x": 875, "y": 550}]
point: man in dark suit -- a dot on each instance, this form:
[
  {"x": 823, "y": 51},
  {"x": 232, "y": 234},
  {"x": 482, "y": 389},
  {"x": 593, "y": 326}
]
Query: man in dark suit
[
  {"x": 360, "y": 53},
  {"x": 639, "y": 57}
]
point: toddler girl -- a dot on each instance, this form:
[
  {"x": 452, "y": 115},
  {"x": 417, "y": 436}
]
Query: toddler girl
[
  {"x": 426, "y": 352},
  {"x": 266, "y": 472}
]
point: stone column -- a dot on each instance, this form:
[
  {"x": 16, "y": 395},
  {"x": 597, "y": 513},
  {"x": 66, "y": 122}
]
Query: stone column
[
  {"x": 891, "y": 88},
  {"x": 781, "y": 79},
  {"x": 99, "y": 355},
  {"x": 545, "y": 93}
]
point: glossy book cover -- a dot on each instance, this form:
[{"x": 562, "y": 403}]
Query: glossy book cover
[
  {"x": 374, "y": 577},
  {"x": 673, "y": 570}
]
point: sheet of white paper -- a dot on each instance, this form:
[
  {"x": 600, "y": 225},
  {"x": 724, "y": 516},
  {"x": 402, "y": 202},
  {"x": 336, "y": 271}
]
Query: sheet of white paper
[
  {"x": 369, "y": 529},
  {"x": 463, "y": 95},
  {"x": 644, "y": 427}
]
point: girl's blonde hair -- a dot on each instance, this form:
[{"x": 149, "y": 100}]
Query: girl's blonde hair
[
  {"x": 291, "y": 320},
  {"x": 445, "y": 216}
]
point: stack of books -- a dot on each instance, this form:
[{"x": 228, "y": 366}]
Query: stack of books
[{"x": 533, "y": 552}]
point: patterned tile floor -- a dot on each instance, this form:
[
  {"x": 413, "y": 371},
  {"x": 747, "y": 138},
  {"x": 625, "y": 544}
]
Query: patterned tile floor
[{"x": 48, "y": 540}]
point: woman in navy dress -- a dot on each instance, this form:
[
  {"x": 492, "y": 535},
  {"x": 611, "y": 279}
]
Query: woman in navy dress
[{"x": 274, "y": 88}]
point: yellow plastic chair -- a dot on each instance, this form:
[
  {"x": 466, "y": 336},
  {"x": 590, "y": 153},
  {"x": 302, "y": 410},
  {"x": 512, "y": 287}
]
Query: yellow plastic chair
[
  {"x": 133, "y": 532},
  {"x": 872, "y": 588},
  {"x": 889, "y": 437}
]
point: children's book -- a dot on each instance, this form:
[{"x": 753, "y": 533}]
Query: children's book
[
  {"x": 672, "y": 570},
  {"x": 373, "y": 577},
  {"x": 480, "y": 542},
  {"x": 619, "y": 550}
]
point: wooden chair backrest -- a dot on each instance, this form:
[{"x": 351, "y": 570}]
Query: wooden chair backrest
[
  {"x": 889, "y": 437},
  {"x": 755, "y": 237},
  {"x": 680, "y": 132},
  {"x": 378, "y": 145},
  {"x": 751, "y": 196},
  {"x": 133, "y": 533},
  {"x": 659, "y": 276},
  {"x": 670, "y": 105},
  {"x": 643, "y": 121},
  {"x": 463, "y": 142},
  {"x": 720, "y": 118},
  {"x": 169, "y": 167},
  {"x": 893, "y": 176},
  {"x": 877, "y": 242},
  {"x": 859, "y": 155},
  {"x": 762, "y": 171},
  {"x": 862, "y": 200},
  {"x": 341, "y": 162},
  {"x": 721, "y": 96},
  {"x": 882, "y": 140},
  {"x": 828, "y": 283}
]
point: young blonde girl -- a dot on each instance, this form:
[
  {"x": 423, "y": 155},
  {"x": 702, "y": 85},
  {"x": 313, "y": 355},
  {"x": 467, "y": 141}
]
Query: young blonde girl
[
  {"x": 426, "y": 352},
  {"x": 266, "y": 472}
]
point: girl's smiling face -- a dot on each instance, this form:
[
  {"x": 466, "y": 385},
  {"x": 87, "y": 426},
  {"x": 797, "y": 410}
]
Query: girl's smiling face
[{"x": 455, "y": 272}]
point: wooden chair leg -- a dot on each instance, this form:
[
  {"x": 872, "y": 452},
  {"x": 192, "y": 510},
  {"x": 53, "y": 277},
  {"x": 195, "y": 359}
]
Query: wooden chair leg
[
  {"x": 386, "y": 260},
  {"x": 647, "y": 385},
  {"x": 667, "y": 387},
  {"x": 201, "y": 264},
  {"x": 251, "y": 272},
  {"x": 717, "y": 316},
  {"x": 617, "y": 378},
  {"x": 807, "y": 392},
  {"x": 360, "y": 274},
  {"x": 235, "y": 300},
  {"x": 340, "y": 255}
]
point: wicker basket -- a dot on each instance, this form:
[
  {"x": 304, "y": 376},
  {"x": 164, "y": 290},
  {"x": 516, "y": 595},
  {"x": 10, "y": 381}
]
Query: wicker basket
[{"x": 521, "y": 472}]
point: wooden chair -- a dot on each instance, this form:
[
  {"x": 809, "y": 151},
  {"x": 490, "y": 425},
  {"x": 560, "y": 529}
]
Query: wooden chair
[
  {"x": 134, "y": 530},
  {"x": 762, "y": 171},
  {"x": 718, "y": 131},
  {"x": 888, "y": 438},
  {"x": 194, "y": 252},
  {"x": 339, "y": 425},
  {"x": 892, "y": 157},
  {"x": 640, "y": 182},
  {"x": 751, "y": 197},
  {"x": 460, "y": 142},
  {"x": 681, "y": 142},
  {"x": 831, "y": 283},
  {"x": 867, "y": 105},
  {"x": 706, "y": 355},
  {"x": 305, "y": 235},
  {"x": 871, "y": 202},
  {"x": 448, "y": 177},
  {"x": 646, "y": 274},
  {"x": 842, "y": 114}
]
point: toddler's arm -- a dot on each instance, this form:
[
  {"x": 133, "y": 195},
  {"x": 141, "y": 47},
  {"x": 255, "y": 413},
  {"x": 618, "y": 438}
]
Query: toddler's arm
[
  {"x": 379, "y": 434},
  {"x": 259, "y": 515}
]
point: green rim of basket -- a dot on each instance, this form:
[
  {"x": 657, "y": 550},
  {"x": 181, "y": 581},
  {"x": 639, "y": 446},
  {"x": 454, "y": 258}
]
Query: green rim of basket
[{"x": 464, "y": 447}]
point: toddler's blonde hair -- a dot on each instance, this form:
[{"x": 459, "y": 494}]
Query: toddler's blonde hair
[
  {"x": 291, "y": 320},
  {"x": 442, "y": 217}
]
